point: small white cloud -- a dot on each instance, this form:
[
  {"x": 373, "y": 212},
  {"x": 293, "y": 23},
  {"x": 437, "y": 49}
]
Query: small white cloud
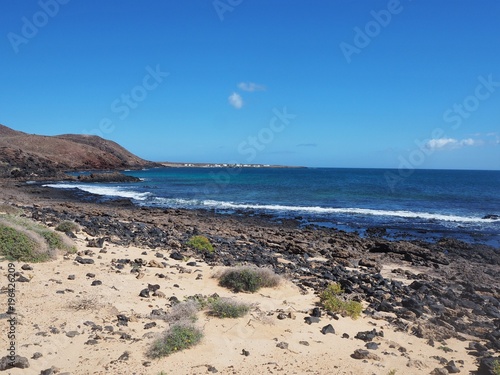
[
  {"x": 235, "y": 100},
  {"x": 442, "y": 143},
  {"x": 467, "y": 142},
  {"x": 251, "y": 87}
]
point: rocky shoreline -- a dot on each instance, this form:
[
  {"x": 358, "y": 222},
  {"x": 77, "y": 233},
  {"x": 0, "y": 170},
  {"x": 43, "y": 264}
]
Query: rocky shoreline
[{"x": 435, "y": 291}]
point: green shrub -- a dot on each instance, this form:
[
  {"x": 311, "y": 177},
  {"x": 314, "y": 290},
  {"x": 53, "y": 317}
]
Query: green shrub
[
  {"x": 496, "y": 367},
  {"x": 201, "y": 243},
  {"x": 177, "y": 338},
  {"x": 15, "y": 245},
  {"x": 68, "y": 226},
  {"x": 226, "y": 308},
  {"x": 333, "y": 299},
  {"x": 53, "y": 239},
  {"x": 248, "y": 279}
]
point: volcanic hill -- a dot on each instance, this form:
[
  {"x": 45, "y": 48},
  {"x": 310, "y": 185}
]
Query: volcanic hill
[{"x": 30, "y": 155}]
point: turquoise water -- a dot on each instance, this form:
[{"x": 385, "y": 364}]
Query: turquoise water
[{"x": 428, "y": 203}]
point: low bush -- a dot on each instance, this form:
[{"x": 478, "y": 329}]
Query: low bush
[
  {"x": 15, "y": 245},
  {"x": 67, "y": 226},
  {"x": 248, "y": 279},
  {"x": 227, "y": 308},
  {"x": 177, "y": 338},
  {"x": 496, "y": 367},
  {"x": 333, "y": 299},
  {"x": 200, "y": 243},
  {"x": 43, "y": 235},
  {"x": 183, "y": 311}
]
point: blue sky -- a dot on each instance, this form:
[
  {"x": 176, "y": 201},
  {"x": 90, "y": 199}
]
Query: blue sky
[{"x": 342, "y": 83}]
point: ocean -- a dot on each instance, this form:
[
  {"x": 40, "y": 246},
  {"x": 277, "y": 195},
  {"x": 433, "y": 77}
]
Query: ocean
[{"x": 426, "y": 204}]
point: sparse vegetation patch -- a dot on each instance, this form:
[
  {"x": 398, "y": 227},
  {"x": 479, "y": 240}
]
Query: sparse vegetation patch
[
  {"x": 68, "y": 226},
  {"x": 496, "y": 367},
  {"x": 177, "y": 338},
  {"x": 333, "y": 299},
  {"x": 32, "y": 242},
  {"x": 201, "y": 243},
  {"x": 248, "y": 279},
  {"x": 227, "y": 308},
  {"x": 18, "y": 246},
  {"x": 183, "y": 311}
]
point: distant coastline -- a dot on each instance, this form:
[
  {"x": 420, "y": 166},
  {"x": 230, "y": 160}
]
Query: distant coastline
[{"x": 223, "y": 165}]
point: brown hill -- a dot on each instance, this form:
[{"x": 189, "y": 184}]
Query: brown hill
[{"x": 29, "y": 155}]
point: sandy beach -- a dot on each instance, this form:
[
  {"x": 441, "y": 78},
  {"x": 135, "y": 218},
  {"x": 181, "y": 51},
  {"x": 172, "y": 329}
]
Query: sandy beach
[{"x": 69, "y": 321}]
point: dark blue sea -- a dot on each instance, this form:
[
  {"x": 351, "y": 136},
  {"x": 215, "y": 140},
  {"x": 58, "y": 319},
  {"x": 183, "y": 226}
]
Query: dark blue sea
[{"x": 423, "y": 204}]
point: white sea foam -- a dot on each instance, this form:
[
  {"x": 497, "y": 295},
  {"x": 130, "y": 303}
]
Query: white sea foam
[
  {"x": 147, "y": 198},
  {"x": 104, "y": 190},
  {"x": 353, "y": 211},
  {"x": 213, "y": 204}
]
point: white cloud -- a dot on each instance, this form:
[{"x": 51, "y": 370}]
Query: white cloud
[
  {"x": 235, "y": 100},
  {"x": 251, "y": 87},
  {"x": 441, "y": 143}
]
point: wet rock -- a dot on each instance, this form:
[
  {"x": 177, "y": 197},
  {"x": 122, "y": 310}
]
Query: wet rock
[{"x": 491, "y": 217}]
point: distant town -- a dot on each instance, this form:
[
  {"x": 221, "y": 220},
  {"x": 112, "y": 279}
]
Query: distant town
[{"x": 222, "y": 165}]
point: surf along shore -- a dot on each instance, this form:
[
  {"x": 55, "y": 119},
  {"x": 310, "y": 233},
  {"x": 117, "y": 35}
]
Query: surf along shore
[{"x": 427, "y": 307}]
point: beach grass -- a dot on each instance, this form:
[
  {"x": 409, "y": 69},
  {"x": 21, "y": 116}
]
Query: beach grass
[{"x": 227, "y": 308}]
